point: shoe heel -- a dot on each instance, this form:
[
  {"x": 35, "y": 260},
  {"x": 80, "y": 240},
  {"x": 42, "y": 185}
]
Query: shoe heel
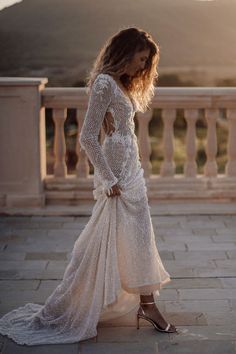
[{"x": 137, "y": 320}]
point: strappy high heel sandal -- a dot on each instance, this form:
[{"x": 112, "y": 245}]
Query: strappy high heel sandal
[{"x": 141, "y": 314}]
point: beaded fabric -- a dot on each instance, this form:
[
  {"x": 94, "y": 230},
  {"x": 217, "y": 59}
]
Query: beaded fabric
[{"x": 115, "y": 258}]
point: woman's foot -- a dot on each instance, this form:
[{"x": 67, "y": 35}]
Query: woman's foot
[{"x": 152, "y": 312}]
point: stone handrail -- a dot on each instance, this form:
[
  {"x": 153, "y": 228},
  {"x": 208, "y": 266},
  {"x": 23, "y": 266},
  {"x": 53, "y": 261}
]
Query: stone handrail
[
  {"x": 169, "y": 100},
  {"x": 23, "y": 178}
]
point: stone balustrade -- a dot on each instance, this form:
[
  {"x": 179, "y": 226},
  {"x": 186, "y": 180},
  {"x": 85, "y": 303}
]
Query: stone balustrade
[{"x": 23, "y": 178}]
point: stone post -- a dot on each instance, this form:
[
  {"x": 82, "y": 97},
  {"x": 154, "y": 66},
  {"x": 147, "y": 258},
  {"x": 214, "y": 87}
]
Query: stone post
[{"x": 22, "y": 142}]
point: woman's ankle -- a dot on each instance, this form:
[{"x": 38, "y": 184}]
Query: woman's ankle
[{"x": 147, "y": 298}]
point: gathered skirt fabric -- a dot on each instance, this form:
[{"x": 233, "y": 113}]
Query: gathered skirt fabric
[{"x": 114, "y": 260}]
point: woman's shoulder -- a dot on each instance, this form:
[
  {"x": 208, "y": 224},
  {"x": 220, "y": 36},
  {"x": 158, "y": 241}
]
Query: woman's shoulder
[
  {"x": 105, "y": 79},
  {"x": 102, "y": 82}
]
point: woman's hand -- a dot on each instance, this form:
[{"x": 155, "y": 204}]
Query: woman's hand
[{"x": 114, "y": 191}]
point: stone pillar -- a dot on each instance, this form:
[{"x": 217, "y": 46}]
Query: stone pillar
[
  {"x": 22, "y": 142},
  {"x": 168, "y": 165},
  {"x": 211, "y": 168},
  {"x": 190, "y": 166},
  {"x": 230, "y": 168},
  {"x": 144, "y": 141}
]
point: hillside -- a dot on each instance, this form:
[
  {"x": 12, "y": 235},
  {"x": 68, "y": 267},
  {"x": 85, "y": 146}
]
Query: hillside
[{"x": 59, "y": 39}]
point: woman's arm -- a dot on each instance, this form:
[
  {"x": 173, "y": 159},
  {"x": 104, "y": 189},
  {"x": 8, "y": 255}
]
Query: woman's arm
[{"x": 99, "y": 101}]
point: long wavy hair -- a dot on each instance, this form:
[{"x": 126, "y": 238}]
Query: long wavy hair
[{"x": 117, "y": 53}]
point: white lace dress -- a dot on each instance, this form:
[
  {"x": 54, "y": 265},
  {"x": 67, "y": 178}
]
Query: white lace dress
[{"x": 115, "y": 258}]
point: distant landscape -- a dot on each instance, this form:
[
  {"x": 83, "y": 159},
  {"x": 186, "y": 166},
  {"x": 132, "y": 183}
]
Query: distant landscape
[{"x": 59, "y": 39}]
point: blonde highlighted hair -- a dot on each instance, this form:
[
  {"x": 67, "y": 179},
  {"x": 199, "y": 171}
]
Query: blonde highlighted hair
[{"x": 117, "y": 52}]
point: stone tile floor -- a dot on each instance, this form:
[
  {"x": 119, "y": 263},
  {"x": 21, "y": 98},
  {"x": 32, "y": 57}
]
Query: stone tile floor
[{"x": 199, "y": 252}]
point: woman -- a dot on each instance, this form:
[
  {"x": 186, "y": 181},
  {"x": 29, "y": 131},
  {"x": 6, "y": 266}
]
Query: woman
[{"x": 115, "y": 263}]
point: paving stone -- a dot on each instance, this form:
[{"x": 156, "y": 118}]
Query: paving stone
[
  {"x": 80, "y": 219},
  {"x": 197, "y": 218},
  {"x": 208, "y": 224},
  {"x": 9, "y": 274},
  {"x": 53, "y": 218},
  {"x": 187, "y": 238},
  {"x": 192, "y": 283},
  {"x": 203, "y": 272},
  {"x": 225, "y": 263},
  {"x": 203, "y": 232},
  {"x": 205, "y": 294},
  {"x": 14, "y": 256},
  {"x": 200, "y": 256},
  {"x": 211, "y": 246},
  {"x": 12, "y": 348},
  {"x": 74, "y": 225},
  {"x": 210, "y": 264},
  {"x": 5, "y": 235},
  {"x": 5, "y": 226},
  {"x": 171, "y": 246},
  {"x": 232, "y": 303},
  {"x": 29, "y": 233},
  {"x": 168, "y": 294},
  {"x": 186, "y": 318},
  {"x": 62, "y": 233},
  {"x": 231, "y": 254},
  {"x": 173, "y": 232},
  {"x": 19, "y": 297},
  {"x": 119, "y": 348},
  {"x": 205, "y": 333},
  {"x": 48, "y": 284},
  {"x": 196, "y": 347},
  {"x": 50, "y": 225},
  {"x": 12, "y": 238},
  {"x": 55, "y": 274},
  {"x": 57, "y": 265},
  {"x": 197, "y": 306},
  {"x": 166, "y": 255},
  {"x": 224, "y": 238},
  {"x": 231, "y": 223},
  {"x": 225, "y": 318},
  {"x": 57, "y": 246},
  {"x": 20, "y": 265},
  {"x": 178, "y": 271},
  {"x": 225, "y": 231},
  {"x": 12, "y": 219},
  {"x": 228, "y": 282},
  {"x": 165, "y": 225},
  {"x": 9, "y": 285},
  {"x": 60, "y": 256},
  {"x": 26, "y": 226}
]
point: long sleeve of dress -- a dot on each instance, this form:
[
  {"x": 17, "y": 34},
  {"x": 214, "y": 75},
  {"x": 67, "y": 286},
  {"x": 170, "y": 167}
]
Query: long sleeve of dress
[{"x": 99, "y": 101}]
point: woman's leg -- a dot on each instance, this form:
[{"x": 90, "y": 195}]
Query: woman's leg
[{"x": 152, "y": 311}]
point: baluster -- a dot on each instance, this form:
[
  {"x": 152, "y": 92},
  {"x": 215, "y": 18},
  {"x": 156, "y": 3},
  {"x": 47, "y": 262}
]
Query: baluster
[
  {"x": 190, "y": 166},
  {"x": 168, "y": 165},
  {"x": 144, "y": 141},
  {"x": 230, "y": 169},
  {"x": 210, "y": 168},
  {"x": 59, "y": 117},
  {"x": 82, "y": 166}
]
